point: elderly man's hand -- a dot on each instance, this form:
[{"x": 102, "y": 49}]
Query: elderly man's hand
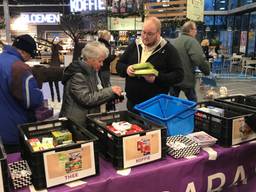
[
  {"x": 150, "y": 78},
  {"x": 117, "y": 90}
]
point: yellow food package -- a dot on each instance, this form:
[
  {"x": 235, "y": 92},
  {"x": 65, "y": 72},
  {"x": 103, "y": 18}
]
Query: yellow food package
[{"x": 61, "y": 136}]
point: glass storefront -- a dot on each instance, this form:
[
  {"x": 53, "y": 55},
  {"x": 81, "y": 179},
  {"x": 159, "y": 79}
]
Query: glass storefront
[{"x": 235, "y": 29}]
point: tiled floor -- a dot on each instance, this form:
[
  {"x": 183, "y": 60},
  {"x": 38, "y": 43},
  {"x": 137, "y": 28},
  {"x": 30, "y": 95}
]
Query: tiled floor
[{"x": 234, "y": 86}]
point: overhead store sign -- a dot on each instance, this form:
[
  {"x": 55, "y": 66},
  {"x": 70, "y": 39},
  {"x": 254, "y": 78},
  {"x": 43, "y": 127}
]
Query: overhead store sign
[
  {"x": 195, "y": 10},
  {"x": 87, "y": 5},
  {"x": 41, "y": 18},
  {"x": 115, "y": 23}
]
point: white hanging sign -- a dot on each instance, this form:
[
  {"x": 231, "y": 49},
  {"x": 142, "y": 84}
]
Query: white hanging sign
[
  {"x": 87, "y": 5},
  {"x": 41, "y": 18}
]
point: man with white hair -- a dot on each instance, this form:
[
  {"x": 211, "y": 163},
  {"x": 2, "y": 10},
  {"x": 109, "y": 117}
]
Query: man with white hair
[
  {"x": 151, "y": 47},
  {"x": 192, "y": 57},
  {"x": 84, "y": 91}
]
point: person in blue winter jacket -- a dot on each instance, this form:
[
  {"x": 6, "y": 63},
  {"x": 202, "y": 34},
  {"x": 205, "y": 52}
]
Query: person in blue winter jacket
[{"x": 19, "y": 92}]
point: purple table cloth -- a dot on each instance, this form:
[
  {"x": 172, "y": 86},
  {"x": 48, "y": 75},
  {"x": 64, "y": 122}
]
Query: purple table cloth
[{"x": 231, "y": 169}]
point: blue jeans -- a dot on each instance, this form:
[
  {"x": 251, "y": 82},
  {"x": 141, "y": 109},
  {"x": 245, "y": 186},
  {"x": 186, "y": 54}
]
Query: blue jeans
[{"x": 190, "y": 93}]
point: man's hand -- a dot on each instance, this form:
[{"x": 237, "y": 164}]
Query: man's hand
[
  {"x": 130, "y": 71},
  {"x": 117, "y": 90},
  {"x": 150, "y": 78}
]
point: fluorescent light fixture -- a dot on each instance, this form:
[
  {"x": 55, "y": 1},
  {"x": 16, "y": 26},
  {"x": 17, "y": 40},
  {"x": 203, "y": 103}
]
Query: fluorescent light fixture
[{"x": 19, "y": 24}]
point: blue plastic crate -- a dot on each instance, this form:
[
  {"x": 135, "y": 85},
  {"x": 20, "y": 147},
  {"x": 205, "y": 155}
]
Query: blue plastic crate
[{"x": 175, "y": 113}]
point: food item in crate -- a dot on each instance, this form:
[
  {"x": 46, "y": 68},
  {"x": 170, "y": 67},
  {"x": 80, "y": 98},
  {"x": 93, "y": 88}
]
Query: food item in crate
[
  {"x": 61, "y": 137},
  {"x": 124, "y": 128},
  {"x": 35, "y": 144},
  {"x": 212, "y": 110},
  {"x": 47, "y": 142}
]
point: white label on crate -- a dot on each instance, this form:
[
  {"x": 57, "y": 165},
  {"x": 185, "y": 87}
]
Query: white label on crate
[
  {"x": 211, "y": 153},
  {"x": 238, "y": 135},
  {"x": 124, "y": 172},
  {"x": 141, "y": 149},
  {"x": 65, "y": 166},
  {"x": 1, "y": 179},
  {"x": 76, "y": 183}
]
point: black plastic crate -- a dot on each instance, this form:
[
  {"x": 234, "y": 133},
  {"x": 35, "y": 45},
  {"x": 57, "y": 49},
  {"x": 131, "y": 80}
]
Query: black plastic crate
[
  {"x": 4, "y": 180},
  {"x": 70, "y": 155},
  {"x": 114, "y": 147},
  {"x": 227, "y": 126},
  {"x": 248, "y": 102}
]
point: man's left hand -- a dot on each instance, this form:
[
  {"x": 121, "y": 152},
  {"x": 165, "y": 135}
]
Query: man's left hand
[{"x": 150, "y": 78}]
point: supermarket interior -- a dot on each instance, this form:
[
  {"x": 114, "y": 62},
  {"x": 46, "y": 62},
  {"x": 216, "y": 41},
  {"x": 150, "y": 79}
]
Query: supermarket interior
[{"x": 128, "y": 95}]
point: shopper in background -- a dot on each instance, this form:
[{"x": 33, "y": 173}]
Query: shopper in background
[
  {"x": 192, "y": 58},
  {"x": 205, "y": 46},
  {"x": 19, "y": 91},
  {"x": 104, "y": 37},
  {"x": 160, "y": 53},
  {"x": 84, "y": 91}
]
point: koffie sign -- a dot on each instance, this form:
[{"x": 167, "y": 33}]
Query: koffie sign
[{"x": 87, "y": 5}]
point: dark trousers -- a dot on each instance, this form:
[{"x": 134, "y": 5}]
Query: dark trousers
[
  {"x": 190, "y": 93},
  {"x": 130, "y": 106}
]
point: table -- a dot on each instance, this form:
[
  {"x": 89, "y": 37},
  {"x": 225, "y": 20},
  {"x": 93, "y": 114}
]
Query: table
[
  {"x": 248, "y": 64},
  {"x": 211, "y": 169}
]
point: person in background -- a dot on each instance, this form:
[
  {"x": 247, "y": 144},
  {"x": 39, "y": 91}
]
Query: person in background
[
  {"x": 104, "y": 37},
  {"x": 212, "y": 52},
  {"x": 104, "y": 73},
  {"x": 84, "y": 91},
  {"x": 19, "y": 91},
  {"x": 205, "y": 46},
  {"x": 151, "y": 47},
  {"x": 192, "y": 58}
]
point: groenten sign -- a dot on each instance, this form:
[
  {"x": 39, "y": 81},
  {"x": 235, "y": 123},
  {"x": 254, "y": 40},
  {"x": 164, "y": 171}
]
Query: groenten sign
[
  {"x": 87, "y": 5},
  {"x": 40, "y": 18}
]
